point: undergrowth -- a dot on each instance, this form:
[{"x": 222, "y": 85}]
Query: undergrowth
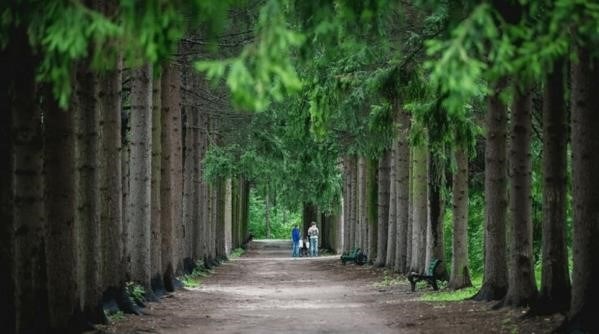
[
  {"x": 389, "y": 279},
  {"x": 135, "y": 292},
  {"x": 194, "y": 279},
  {"x": 114, "y": 316},
  {"x": 237, "y": 252},
  {"x": 447, "y": 295}
]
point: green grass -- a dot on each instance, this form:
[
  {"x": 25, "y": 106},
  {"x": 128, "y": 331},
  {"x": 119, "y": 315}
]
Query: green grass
[
  {"x": 194, "y": 279},
  {"x": 389, "y": 279},
  {"x": 237, "y": 252},
  {"x": 114, "y": 317},
  {"x": 135, "y": 291},
  {"x": 446, "y": 295}
]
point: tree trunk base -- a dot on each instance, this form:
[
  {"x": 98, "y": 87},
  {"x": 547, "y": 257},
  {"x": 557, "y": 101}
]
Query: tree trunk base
[
  {"x": 546, "y": 306},
  {"x": 586, "y": 322},
  {"x": 124, "y": 302},
  {"x": 157, "y": 284},
  {"x": 524, "y": 300},
  {"x": 489, "y": 293},
  {"x": 169, "y": 279}
]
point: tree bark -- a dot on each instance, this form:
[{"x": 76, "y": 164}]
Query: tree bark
[
  {"x": 140, "y": 165},
  {"x": 188, "y": 188},
  {"x": 87, "y": 202},
  {"x": 361, "y": 194},
  {"x": 353, "y": 212},
  {"x": 110, "y": 178},
  {"x": 392, "y": 224},
  {"x": 228, "y": 216},
  {"x": 420, "y": 212},
  {"x": 28, "y": 218},
  {"x": 347, "y": 202},
  {"x": 495, "y": 273},
  {"x": 435, "y": 240},
  {"x": 460, "y": 274},
  {"x": 402, "y": 189},
  {"x": 410, "y": 227},
  {"x": 267, "y": 213},
  {"x": 170, "y": 170},
  {"x": 585, "y": 191},
  {"x": 7, "y": 279},
  {"x": 555, "y": 280},
  {"x": 383, "y": 208},
  {"x": 522, "y": 289},
  {"x": 157, "y": 282},
  {"x": 371, "y": 203},
  {"x": 59, "y": 163}
]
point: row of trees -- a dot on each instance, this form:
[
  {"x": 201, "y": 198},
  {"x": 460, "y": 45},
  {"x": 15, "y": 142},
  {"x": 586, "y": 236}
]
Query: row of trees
[
  {"x": 382, "y": 120},
  {"x": 399, "y": 102},
  {"x": 407, "y": 231},
  {"x": 101, "y": 176}
]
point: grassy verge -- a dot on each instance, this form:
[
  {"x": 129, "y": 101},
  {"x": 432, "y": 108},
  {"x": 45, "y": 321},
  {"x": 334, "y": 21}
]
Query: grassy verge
[
  {"x": 194, "y": 279},
  {"x": 389, "y": 279},
  {"x": 237, "y": 252},
  {"x": 446, "y": 295}
]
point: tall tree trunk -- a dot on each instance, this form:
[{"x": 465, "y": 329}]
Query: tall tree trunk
[
  {"x": 435, "y": 243},
  {"x": 267, "y": 213},
  {"x": 87, "y": 201},
  {"x": 383, "y": 208},
  {"x": 309, "y": 214},
  {"x": 198, "y": 184},
  {"x": 7, "y": 279},
  {"x": 228, "y": 216},
  {"x": 171, "y": 170},
  {"x": 585, "y": 184},
  {"x": 371, "y": 207},
  {"x": 188, "y": 188},
  {"x": 495, "y": 274},
  {"x": 59, "y": 163},
  {"x": 28, "y": 219},
  {"x": 347, "y": 205},
  {"x": 156, "y": 209},
  {"x": 522, "y": 289},
  {"x": 362, "y": 213},
  {"x": 140, "y": 166},
  {"x": 460, "y": 274},
  {"x": 392, "y": 225},
  {"x": 419, "y": 220},
  {"x": 402, "y": 189},
  {"x": 111, "y": 185},
  {"x": 410, "y": 227},
  {"x": 353, "y": 213},
  {"x": 204, "y": 119},
  {"x": 555, "y": 280}
]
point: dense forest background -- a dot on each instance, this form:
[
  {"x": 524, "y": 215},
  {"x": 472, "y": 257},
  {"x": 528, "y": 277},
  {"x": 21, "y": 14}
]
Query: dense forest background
[{"x": 141, "y": 141}]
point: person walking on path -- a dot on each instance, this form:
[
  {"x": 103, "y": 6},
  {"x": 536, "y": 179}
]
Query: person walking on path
[
  {"x": 313, "y": 234},
  {"x": 295, "y": 238}
]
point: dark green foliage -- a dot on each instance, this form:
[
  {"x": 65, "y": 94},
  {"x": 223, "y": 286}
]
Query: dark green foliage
[{"x": 282, "y": 220}]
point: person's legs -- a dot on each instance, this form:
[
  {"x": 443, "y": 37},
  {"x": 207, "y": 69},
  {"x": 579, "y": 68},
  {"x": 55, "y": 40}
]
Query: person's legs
[
  {"x": 295, "y": 252},
  {"x": 315, "y": 246}
]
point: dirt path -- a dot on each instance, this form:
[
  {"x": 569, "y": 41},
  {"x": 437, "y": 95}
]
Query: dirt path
[{"x": 266, "y": 291}]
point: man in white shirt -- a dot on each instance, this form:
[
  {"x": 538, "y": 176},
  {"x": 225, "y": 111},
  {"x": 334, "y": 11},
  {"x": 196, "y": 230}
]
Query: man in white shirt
[{"x": 313, "y": 234}]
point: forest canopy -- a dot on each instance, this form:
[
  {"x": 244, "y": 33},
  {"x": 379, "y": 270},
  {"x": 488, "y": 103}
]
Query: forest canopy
[{"x": 139, "y": 138}]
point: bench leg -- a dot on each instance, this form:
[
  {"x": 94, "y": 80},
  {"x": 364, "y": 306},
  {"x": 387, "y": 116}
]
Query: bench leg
[{"x": 412, "y": 283}]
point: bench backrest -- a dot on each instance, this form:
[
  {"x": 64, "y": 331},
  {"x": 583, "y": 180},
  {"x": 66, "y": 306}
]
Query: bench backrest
[{"x": 432, "y": 268}]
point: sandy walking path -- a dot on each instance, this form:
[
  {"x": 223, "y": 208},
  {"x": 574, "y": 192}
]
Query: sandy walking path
[{"x": 267, "y": 291}]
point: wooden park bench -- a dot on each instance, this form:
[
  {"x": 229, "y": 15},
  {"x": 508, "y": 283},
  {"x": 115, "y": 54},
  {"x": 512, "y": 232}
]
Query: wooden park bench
[
  {"x": 356, "y": 255},
  {"x": 430, "y": 277}
]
